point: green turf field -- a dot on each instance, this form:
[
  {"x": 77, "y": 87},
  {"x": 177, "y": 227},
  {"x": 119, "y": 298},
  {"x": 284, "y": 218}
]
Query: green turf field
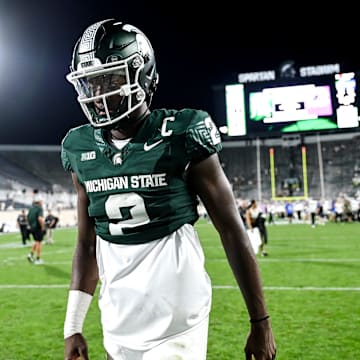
[{"x": 311, "y": 280}]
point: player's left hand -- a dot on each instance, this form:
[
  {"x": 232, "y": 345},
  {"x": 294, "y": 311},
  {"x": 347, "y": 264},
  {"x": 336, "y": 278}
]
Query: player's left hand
[{"x": 260, "y": 344}]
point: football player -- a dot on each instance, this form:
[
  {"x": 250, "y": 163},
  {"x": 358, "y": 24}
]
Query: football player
[{"x": 139, "y": 174}]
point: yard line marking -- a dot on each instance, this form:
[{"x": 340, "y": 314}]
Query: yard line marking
[
  {"x": 33, "y": 286},
  {"x": 312, "y": 288},
  {"x": 318, "y": 246},
  {"x": 11, "y": 261},
  {"x": 295, "y": 260},
  {"x": 217, "y": 287},
  {"x": 292, "y": 288}
]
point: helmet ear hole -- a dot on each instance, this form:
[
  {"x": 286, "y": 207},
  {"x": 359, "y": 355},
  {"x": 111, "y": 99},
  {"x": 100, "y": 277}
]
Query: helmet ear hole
[{"x": 154, "y": 83}]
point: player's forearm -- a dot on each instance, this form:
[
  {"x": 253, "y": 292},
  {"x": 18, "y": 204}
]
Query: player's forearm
[
  {"x": 83, "y": 282},
  {"x": 77, "y": 307},
  {"x": 84, "y": 270},
  {"x": 244, "y": 266},
  {"x": 41, "y": 223}
]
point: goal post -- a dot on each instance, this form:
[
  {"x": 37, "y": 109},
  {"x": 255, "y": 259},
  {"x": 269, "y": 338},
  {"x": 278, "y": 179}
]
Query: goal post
[{"x": 295, "y": 188}]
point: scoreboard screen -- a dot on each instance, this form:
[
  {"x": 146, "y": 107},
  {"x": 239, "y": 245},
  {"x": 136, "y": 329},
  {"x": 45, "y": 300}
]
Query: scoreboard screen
[{"x": 326, "y": 103}]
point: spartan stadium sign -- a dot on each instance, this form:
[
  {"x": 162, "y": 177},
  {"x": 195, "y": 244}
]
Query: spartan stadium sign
[
  {"x": 257, "y": 76},
  {"x": 315, "y": 70},
  {"x": 319, "y": 70}
]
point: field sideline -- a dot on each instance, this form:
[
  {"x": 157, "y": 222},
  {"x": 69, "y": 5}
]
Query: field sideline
[{"x": 311, "y": 280}]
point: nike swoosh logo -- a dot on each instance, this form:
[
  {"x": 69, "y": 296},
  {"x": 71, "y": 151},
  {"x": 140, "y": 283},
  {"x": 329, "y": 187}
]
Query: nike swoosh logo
[{"x": 149, "y": 147}]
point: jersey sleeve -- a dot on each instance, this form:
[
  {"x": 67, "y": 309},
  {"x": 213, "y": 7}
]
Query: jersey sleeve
[
  {"x": 202, "y": 137},
  {"x": 65, "y": 156},
  {"x": 65, "y": 160},
  {"x": 76, "y": 142}
]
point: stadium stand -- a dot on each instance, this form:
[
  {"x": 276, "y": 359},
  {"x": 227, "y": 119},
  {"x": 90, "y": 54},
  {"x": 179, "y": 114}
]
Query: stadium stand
[
  {"x": 40, "y": 166},
  {"x": 332, "y": 161},
  {"x": 25, "y": 168},
  {"x": 333, "y": 171},
  {"x": 12, "y": 172}
]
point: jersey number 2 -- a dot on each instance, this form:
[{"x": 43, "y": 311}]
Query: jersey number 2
[{"x": 125, "y": 211}]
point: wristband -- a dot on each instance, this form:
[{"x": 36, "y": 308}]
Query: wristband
[
  {"x": 254, "y": 321},
  {"x": 77, "y": 308}
]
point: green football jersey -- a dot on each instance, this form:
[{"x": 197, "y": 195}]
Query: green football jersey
[
  {"x": 139, "y": 193},
  {"x": 34, "y": 212}
]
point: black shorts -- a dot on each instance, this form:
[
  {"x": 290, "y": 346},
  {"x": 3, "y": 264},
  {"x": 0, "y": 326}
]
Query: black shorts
[{"x": 37, "y": 234}]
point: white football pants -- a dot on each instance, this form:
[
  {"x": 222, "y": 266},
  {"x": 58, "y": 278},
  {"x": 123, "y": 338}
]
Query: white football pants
[{"x": 189, "y": 346}]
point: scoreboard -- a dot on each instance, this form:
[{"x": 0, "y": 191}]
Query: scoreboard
[{"x": 319, "y": 99}]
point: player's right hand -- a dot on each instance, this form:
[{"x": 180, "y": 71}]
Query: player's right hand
[{"x": 76, "y": 348}]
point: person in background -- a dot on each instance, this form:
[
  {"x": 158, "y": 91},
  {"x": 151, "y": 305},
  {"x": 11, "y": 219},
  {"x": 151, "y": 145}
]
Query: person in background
[
  {"x": 139, "y": 175},
  {"x": 313, "y": 209},
  {"x": 347, "y": 209},
  {"x": 254, "y": 219},
  {"x": 50, "y": 224},
  {"x": 299, "y": 210},
  {"x": 37, "y": 229},
  {"x": 321, "y": 213},
  {"x": 242, "y": 210},
  {"x": 23, "y": 225},
  {"x": 289, "y": 210},
  {"x": 271, "y": 213}
]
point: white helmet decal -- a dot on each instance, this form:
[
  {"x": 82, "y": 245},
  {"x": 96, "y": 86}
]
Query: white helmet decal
[
  {"x": 87, "y": 42},
  {"x": 143, "y": 45}
]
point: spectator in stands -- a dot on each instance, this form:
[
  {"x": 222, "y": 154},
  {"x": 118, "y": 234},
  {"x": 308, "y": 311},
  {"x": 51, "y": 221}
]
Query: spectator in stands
[
  {"x": 23, "y": 226},
  {"x": 50, "y": 224},
  {"x": 37, "y": 229},
  {"x": 255, "y": 219}
]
